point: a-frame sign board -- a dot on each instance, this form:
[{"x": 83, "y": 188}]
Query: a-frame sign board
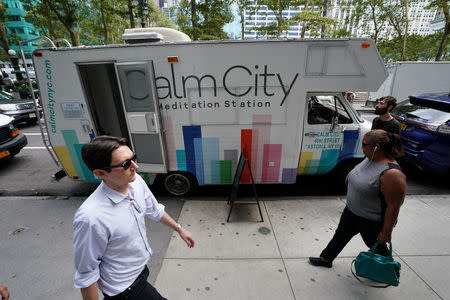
[{"x": 243, "y": 161}]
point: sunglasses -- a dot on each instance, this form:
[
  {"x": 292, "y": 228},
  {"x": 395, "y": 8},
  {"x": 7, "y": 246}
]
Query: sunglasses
[
  {"x": 364, "y": 144},
  {"x": 125, "y": 165}
]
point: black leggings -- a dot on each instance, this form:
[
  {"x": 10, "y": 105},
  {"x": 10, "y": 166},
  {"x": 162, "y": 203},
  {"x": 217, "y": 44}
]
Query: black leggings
[{"x": 350, "y": 225}]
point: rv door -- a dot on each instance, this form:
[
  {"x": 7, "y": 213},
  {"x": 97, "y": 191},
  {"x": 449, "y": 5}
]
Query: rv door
[
  {"x": 140, "y": 103},
  {"x": 325, "y": 124}
]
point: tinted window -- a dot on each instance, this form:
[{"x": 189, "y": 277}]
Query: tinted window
[
  {"x": 321, "y": 110},
  {"x": 420, "y": 113}
]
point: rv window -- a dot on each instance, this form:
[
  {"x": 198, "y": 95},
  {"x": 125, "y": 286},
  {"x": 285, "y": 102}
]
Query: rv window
[{"x": 322, "y": 108}]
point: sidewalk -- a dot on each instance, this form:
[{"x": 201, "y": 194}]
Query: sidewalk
[
  {"x": 235, "y": 261},
  {"x": 231, "y": 260}
]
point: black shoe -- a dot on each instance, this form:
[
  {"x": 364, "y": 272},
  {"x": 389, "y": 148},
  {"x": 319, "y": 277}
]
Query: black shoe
[{"x": 318, "y": 262}]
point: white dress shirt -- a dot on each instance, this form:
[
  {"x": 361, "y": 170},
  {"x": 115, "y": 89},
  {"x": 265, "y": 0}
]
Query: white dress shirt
[{"x": 109, "y": 237}]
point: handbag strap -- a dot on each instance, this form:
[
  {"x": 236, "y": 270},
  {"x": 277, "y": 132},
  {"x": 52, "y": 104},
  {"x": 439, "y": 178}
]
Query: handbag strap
[
  {"x": 372, "y": 250},
  {"x": 365, "y": 283}
]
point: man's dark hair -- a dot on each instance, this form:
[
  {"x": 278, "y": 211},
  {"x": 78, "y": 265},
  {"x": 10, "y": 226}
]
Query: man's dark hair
[
  {"x": 390, "y": 101},
  {"x": 97, "y": 154}
]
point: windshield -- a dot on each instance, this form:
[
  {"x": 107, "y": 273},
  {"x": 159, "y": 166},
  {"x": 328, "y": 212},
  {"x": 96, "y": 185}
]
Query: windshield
[
  {"x": 421, "y": 113},
  {"x": 6, "y": 96}
]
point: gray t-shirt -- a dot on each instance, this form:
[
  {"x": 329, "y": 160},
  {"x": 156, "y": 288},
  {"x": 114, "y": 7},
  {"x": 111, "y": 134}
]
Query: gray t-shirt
[{"x": 363, "y": 191}]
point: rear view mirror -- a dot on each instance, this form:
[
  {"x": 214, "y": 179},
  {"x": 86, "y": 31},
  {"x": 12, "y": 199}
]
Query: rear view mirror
[{"x": 334, "y": 122}]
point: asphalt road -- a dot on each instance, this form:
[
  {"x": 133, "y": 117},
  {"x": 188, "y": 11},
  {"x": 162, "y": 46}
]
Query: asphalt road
[{"x": 30, "y": 174}]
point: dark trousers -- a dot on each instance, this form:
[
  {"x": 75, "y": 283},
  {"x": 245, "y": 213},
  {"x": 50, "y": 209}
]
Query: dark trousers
[
  {"x": 140, "y": 289},
  {"x": 350, "y": 225}
]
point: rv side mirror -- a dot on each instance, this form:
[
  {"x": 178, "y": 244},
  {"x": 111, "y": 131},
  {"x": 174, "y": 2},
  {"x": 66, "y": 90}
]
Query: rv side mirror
[{"x": 334, "y": 122}]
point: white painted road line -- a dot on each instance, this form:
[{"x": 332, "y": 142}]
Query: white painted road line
[{"x": 33, "y": 133}]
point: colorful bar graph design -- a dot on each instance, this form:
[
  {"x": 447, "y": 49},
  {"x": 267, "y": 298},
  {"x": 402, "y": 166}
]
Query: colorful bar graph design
[
  {"x": 350, "y": 143},
  {"x": 189, "y": 134},
  {"x": 261, "y": 124},
  {"x": 226, "y": 171},
  {"x": 181, "y": 160},
  {"x": 169, "y": 138},
  {"x": 328, "y": 159},
  {"x": 246, "y": 144},
  {"x": 63, "y": 155},
  {"x": 271, "y": 162},
  {"x": 231, "y": 155},
  {"x": 289, "y": 175},
  {"x": 210, "y": 151},
  {"x": 304, "y": 158},
  {"x": 198, "y": 153},
  {"x": 74, "y": 148}
]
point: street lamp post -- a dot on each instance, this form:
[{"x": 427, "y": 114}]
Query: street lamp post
[
  {"x": 15, "y": 63},
  {"x": 143, "y": 9}
]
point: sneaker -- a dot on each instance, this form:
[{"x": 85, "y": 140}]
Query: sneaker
[{"x": 318, "y": 262}]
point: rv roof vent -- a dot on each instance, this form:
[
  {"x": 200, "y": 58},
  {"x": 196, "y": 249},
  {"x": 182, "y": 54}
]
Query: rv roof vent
[
  {"x": 153, "y": 34},
  {"x": 141, "y": 35}
]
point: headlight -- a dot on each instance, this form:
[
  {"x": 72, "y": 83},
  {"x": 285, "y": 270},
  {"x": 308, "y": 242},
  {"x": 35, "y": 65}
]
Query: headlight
[
  {"x": 11, "y": 126},
  {"x": 8, "y": 107}
]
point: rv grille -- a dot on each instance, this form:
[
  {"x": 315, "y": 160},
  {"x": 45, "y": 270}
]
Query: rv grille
[
  {"x": 26, "y": 105},
  {"x": 5, "y": 134}
]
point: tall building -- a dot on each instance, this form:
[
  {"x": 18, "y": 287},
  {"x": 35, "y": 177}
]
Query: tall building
[
  {"x": 419, "y": 20},
  {"x": 17, "y": 25}
]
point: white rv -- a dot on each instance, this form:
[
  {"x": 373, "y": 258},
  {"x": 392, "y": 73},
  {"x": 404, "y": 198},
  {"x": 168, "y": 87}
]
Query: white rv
[
  {"x": 190, "y": 108},
  {"x": 412, "y": 78}
]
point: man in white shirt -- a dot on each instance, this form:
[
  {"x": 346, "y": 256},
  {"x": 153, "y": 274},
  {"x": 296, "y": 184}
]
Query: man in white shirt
[{"x": 110, "y": 242}]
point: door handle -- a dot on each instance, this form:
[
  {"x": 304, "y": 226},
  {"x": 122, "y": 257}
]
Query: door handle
[{"x": 312, "y": 134}]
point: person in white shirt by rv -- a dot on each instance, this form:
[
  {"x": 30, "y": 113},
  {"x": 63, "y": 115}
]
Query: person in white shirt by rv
[{"x": 110, "y": 243}]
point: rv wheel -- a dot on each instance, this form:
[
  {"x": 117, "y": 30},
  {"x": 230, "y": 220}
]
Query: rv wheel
[{"x": 180, "y": 184}]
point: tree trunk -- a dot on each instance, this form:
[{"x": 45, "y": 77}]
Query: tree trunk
[
  {"x": 194, "y": 21},
  {"x": 280, "y": 19},
  {"x": 105, "y": 27},
  {"x": 241, "y": 13},
  {"x": 446, "y": 32},
  {"x": 405, "y": 36},
  {"x": 130, "y": 13},
  {"x": 73, "y": 37}
]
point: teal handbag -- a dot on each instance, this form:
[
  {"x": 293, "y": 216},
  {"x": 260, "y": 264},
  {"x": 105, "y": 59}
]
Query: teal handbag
[{"x": 383, "y": 269}]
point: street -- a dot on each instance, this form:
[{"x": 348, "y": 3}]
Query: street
[{"x": 30, "y": 174}]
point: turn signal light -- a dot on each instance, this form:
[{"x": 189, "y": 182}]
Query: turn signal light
[
  {"x": 365, "y": 45},
  {"x": 15, "y": 133},
  {"x": 172, "y": 59}
]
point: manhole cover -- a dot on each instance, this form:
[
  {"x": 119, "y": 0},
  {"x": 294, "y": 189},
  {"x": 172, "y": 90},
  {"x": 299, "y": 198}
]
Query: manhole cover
[{"x": 263, "y": 230}]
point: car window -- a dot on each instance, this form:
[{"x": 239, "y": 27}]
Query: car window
[
  {"x": 321, "y": 110},
  {"x": 420, "y": 113}
]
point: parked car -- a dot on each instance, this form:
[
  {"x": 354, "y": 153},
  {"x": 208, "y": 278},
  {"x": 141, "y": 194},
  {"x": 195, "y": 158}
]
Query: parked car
[
  {"x": 11, "y": 140},
  {"x": 21, "y": 110},
  {"x": 425, "y": 124}
]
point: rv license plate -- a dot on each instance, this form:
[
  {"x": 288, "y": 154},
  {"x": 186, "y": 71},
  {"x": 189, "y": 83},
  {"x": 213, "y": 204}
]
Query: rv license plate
[
  {"x": 32, "y": 115},
  {"x": 4, "y": 153},
  {"x": 403, "y": 126}
]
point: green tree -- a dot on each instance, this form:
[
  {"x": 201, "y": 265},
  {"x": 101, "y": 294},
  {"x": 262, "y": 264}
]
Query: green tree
[
  {"x": 396, "y": 12},
  {"x": 362, "y": 12},
  {"x": 215, "y": 14},
  {"x": 242, "y": 5},
  {"x": 204, "y": 21},
  {"x": 418, "y": 48},
  {"x": 442, "y": 4},
  {"x": 310, "y": 18},
  {"x": 156, "y": 17}
]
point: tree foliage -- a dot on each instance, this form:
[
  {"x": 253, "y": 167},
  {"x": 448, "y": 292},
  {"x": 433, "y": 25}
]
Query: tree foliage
[
  {"x": 311, "y": 18},
  {"x": 418, "y": 48},
  {"x": 204, "y": 20}
]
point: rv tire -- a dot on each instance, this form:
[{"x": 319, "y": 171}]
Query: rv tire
[{"x": 180, "y": 183}]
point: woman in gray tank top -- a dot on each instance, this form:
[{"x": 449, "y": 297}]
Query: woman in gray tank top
[{"x": 376, "y": 189}]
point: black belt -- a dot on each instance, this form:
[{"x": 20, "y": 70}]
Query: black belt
[{"x": 124, "y": 295}]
